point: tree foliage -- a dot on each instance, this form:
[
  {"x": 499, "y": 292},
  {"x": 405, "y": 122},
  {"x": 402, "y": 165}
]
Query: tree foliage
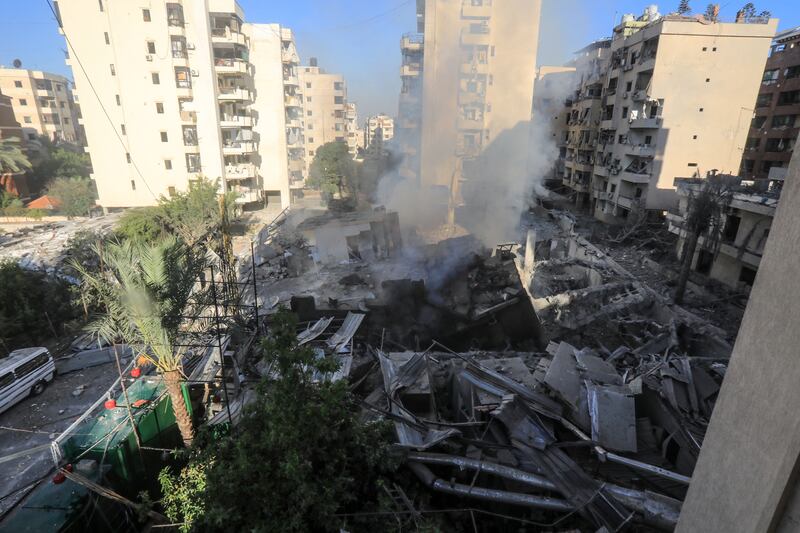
[
  {"x": 77, "y": 195},
  {"x": 192, "y": 216},
  {"x": 55, "y": 162},
  {"x": 12, "y": 159},
  {"x": 300, "y": 454},
  {"x": 31, "y": 304},
  {"x": 684, "y": 8},
  {"x": 332, "y": 170}
]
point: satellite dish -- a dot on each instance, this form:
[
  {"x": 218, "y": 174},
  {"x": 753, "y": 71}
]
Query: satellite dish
[{"x": 17, "y": 63}]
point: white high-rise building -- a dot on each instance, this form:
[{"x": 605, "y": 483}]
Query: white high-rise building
[{"x": 171, "y": 91}]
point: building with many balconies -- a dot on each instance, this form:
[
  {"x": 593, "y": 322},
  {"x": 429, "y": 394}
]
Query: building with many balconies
[
  {"x": 171, "y": 92},
  {"x": 378, "y": 129},
  {"x": 408, "y": 131},
  {"x": 667, "y": 109},
  {"x": 355, "y": 135},
  {"x": 43, "y": 104},
  {"x": 773, "y": 132}
]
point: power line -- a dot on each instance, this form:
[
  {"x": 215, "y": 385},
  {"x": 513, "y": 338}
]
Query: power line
[
  {"x": 97, "y": 96},
  {"x": 370, "y": 19}
]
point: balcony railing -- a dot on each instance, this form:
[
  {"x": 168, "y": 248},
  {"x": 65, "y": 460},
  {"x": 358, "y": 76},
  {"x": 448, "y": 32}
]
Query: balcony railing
[
  {"x": 229, "y": 64},
  {"x": 646, "y": 123},
  {"x": 238, "y": 147},
  {"x": 412, "y": 42},
  {"x": 235, "y": 93},
  {"x": 240, "y": 171},
  {"x": 236, "y": 120}
]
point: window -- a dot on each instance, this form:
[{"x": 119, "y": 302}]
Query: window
[
  {"x": 29, "y": 366},
  {"x": 310, "y": 126},
  {"x": 788, "y": 98},
  {"x": 701, "y": 109},
  {"x": 17, "y": 83},
  {"x": 6, "y": 380},
  {"x": 58, "y": 87},
  {"x": 764, "y": 100},
  {"x": 43, "y": 102},
  {"x": 133, "y": 185},
  {"x": 628, "y": 86},
  {"x": 311, "y": 140},
  {"x": 171, "y": 190},
  {"x": 691, "y": 164},
  {"x": 759, "y": 122},
  {"x": 31, "y": 136},
  {"x": 146, "y": 18},
  {"x": 151, "y": 47},
  {"x": 624, "y": 112},
  {"x": 308, "y": 99},
  {"x": 27, "y": 120},
  {"x": 107, "y": 38},
  {"x": 160, "y": 108},
  {"x": 708, "y": 80},
  {"x": 338, "y": 86},
  {"x": 65, "y": 120},
  {"x": 193, "y": 162},
  {"x": 119, "y": 102},
  {"x": 779, "y": 145},
  {"x": 23, "y": 101},
  {"x": 113, "y": 70},
  {"x": 62, "y": 105},
  {"x": 338, "y": 100},
  {"x": 770, "y": 77},
  {"x": 179, "y": 47},
  {"x": 190, "y": 135},
  {"x": 783, "y": 121},
  {"x": 747, "y": 275},
  {"x": 156, "y": 78},
  {"x": 164, "y": 137},
  {"x": 308, "y": 113},
  {"x": 175, "y": 15},
  {"x": 792, "y": 72},
  {"x": 128, "y": 159},
  {"x": 122, "y": 129},
  {"x": 705, "y": 49},
  {"x": 183, "y": 78},
  {"x": 714, "y": 49},
  {"x": 694, "y": 137},
  {"x": 311, "y": 152},
  {"x": 308, "y": 85},
  {"x": 752, "y": 143},
  {"x": 168, "y": 164}
]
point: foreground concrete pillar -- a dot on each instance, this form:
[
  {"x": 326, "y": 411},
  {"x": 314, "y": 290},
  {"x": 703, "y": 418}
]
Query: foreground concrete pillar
[{"x": 746, "y": 476}]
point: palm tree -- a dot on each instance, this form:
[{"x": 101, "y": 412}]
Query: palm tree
[
  {"x": 146, "y": 291},
  {"x": 12, "y": 159}
]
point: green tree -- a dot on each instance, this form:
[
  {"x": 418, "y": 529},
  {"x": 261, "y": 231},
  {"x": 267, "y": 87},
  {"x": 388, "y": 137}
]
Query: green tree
[
  {"x": 748, "y": 10},
  {"x": 146, "y": 290},
  {"x": 332, "y": 170},
  {"x": 76, "y": 195},
  {"x": 53, "y": 162},
  {"x": 684, "y": 8},
  {"x": 32, "y": 304},
  {"x": 12, "y": 159},
  {"x": 142, "y": 224},
  {"x": 711, "y": 12},
  {"x": 300, "y": 453}
]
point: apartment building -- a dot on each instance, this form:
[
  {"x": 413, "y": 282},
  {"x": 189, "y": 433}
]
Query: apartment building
[
  {"x": 734, "y": 254},
  {"x": 477, "y": 69},
  {"x": 549, "y": 112},
  {"x": 668, "y": 109},
  {"x": 378, "y": 129},
  {"x": 773, "y": 132},
  {"x": 43, "y": 104},
  {"x": 408, "y": 131},
  {"x": 325, "y": 99},
  {"x": 585, "y": 111},
  {"x": 172, "y": 91},
  {"x": 355, "y": 135}
]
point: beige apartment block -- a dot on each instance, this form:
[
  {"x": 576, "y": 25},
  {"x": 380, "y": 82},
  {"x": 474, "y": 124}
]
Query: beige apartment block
[
  {"x": 172, "y": 91},
  {"x": 355, "y": 135},
  {"x": 379, "y": 129},
  {"x": 325, "y": 99},
  {"x": 668, "y": 109},
  {"x": 549, "y": 111},
  {"x": 408, "y": 131},
  {"x": 478, "y": 73},
  {"x": 43, "y": 104}
]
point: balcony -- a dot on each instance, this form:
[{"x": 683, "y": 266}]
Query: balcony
[
  {"x": 625, "y": 201},
  {"x": 410, "y": 69},
  {"x": 228, "y": 35},
  {"x": 294, "y": 123},
  {"x": 645, "y": 123},
  {"x": 235, "y": 94},
  {"x": 236, "y": 121},
  {"x": 478, "y": 38},
  {"x": 189, "y": 117},
  {"x": 474, "y": 68},
  {"x": 291, "y": 80},
  {"x": 466, "y": 97},
  {"x": 602, "y": 194},
  {"x": 296, "y": 165},
  {"x": 292, "y": 101},
  {"x": 465, "y": 123},
  {"x": 238, "y": 147},
  {"x": 411, "y": 42},
  {"x": 289, "y": 55},
  {"x": 642, "y": 150},
  {"x": 635, "y": 177},
  {"x": 639, "y": 95},
  {"x": 482, "y": 11},
  {"x": 246, "y": 196},
  {"x": 241, "y": 171},
  {"x": 227, "y": 65},
  {"x": 607, "y": 124}
]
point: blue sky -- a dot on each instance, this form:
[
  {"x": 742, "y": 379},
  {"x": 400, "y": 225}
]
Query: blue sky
[{"x": 360, "y": 38}]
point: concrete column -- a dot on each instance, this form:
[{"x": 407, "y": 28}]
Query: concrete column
[
  {"x": 530, "y": 244},
  {"x": 746, "y": 476}
]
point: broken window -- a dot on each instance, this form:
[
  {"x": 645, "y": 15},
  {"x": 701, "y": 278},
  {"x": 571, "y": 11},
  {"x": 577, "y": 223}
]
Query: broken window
[
  {"x": 183, "y": 78},
  {"x": 779, "y": 145},
  {"x": 783, "y": 121},
  {"x": 747, "y": 275},
  {"x": 752, "y": 143},
  {"x": 770, "y": 77},
  {"x": 764, "y": 100},
  {"x": 731, "y": 228},
  {"x": 193, "y": 162},
  {"x": 792, "y": 72},
  {"x": 190, "y": 135},
  {"x": 758, "y": 122},
  {"x": 175, "y": 15}
]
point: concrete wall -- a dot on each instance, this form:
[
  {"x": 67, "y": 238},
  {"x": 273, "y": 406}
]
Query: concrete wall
[{"x": 746, "y": 476}]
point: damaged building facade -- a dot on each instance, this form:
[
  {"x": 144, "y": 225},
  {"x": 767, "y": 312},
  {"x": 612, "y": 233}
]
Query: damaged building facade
[
  {"x": 666, "y": 109},
  {"x": 732, "y": 251}
]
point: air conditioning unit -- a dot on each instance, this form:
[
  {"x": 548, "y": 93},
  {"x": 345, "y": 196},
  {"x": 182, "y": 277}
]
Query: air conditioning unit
[
  {"x": 148, "y": 57},
  {"x": 195, "y": 73},
  {"x": 190, "y": 46},
  {"x": 624, "y": 95}
]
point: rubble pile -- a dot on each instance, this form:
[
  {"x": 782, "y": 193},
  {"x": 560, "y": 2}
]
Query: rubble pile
[{"x": 606, "y": 441}]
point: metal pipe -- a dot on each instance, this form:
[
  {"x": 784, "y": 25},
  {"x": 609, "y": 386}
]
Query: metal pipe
[
  {"x": 492, "y": 495},
  {"x": 656, "y": 509}
]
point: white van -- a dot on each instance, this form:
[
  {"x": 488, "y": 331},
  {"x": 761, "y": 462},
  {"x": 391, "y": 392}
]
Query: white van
[{"x": 25, "y": 372}]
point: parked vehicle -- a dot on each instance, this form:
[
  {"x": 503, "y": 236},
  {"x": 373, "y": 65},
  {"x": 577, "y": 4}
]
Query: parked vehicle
[{"x": 25, "y": 372}]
